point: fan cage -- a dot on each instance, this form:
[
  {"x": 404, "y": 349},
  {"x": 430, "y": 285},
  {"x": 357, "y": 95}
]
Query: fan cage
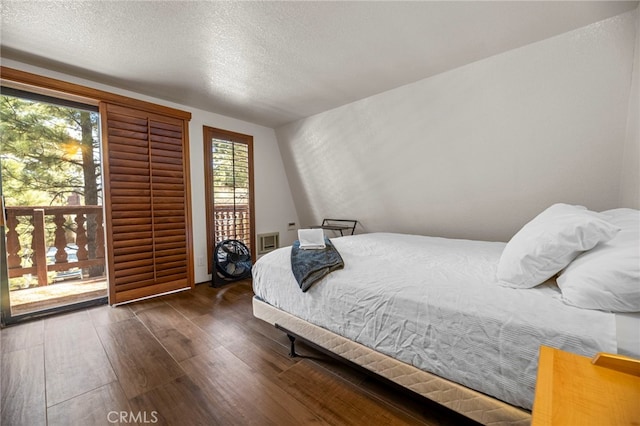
[{"x": 232, "y": 261}]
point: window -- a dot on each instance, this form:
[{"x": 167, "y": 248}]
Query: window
[
  {"x": 147, "y": 187},
  {"x": 229, "y": 188},
  {"x": 51, "y": 184}
]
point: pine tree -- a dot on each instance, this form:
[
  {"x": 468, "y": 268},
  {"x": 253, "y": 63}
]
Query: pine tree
[{"x": 49, "y": 153}]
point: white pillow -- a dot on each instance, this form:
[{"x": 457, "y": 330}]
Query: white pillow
[
  {"x": 549, "y": 242},
  {"x": 607, "y": 277}
]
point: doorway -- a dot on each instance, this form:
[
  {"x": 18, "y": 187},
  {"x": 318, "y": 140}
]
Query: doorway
[
  {"x": 51, "y": 186},
  {"x": 229, "y": 189}
]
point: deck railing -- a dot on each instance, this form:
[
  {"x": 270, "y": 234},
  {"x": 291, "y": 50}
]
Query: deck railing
[
  {"x": 79, "y": 225},
  {"x": 232, "y": 222},
  {"x": 83, "y": 226}
]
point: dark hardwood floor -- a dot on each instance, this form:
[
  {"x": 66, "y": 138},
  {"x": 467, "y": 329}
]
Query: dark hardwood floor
[{"x": 191, "y": 358}]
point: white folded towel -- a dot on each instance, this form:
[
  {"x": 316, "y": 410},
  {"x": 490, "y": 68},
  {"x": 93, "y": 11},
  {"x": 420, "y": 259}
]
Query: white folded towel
[{"x": 311, "y": 239}]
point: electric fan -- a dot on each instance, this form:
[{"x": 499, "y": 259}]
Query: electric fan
[{"x": 231, "y": 261}]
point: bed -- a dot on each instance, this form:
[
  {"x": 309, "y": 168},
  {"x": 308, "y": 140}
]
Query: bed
[{"x": 429, "y": 314}]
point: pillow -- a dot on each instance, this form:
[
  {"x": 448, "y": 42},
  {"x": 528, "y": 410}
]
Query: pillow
[
  {"x": 549, "y": 242},
  {"x": 607, "y": 277}
]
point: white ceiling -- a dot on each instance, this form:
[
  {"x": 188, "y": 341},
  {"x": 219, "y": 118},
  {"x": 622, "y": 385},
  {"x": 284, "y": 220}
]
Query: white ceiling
[{"x": 274, "y": 62}]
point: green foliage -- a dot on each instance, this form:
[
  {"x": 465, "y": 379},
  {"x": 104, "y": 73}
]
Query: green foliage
[
  {"x": 47, "y": 154},
  {"x": 26, "y": 281},
  {"x": 41, "y": 150},
  {"x": 230, "y": 164}
]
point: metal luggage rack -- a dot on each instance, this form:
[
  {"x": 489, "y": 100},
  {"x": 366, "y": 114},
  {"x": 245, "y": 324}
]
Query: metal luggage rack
[{"x": 338, "y": 225}]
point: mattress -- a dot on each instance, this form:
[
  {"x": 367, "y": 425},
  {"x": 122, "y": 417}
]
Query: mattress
[{"x": 434, "y": 304}]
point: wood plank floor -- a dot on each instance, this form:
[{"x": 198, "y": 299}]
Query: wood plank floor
[{"x": 191, "y": 358}]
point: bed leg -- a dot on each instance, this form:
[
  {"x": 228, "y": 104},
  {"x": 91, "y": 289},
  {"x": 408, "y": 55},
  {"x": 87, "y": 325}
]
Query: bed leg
[{"x": 292, "y": 339}]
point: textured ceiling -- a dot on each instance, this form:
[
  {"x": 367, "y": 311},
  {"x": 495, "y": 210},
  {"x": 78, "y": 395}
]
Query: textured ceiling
[{"x": 274, "y": 62}]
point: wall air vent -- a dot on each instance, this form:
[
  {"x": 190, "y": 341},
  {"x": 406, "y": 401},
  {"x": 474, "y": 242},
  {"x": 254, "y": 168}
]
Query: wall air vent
[{"x": 268, "y": 242}]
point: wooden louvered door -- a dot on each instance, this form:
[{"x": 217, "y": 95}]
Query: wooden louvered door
[{"x": 147, "y": 203}]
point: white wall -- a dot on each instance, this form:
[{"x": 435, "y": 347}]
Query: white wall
[
  {"x": 273, "y": 202},
  {"x": 630, "y": 186},
  {"x": 477, "y": 151}
]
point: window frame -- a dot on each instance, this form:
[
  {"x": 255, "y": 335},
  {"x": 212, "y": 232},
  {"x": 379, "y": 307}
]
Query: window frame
[
  {"x": 23, "y": 80},
  {"x": 30, "y": 82},
  {"x": 209, "y": 133}
]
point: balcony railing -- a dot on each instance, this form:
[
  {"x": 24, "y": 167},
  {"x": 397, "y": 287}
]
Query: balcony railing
[
  {"x": 81, "y": 226},
  {"x": 232, "y": 222}
]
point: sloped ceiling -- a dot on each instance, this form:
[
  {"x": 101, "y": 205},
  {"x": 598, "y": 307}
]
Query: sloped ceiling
[{"x": 271, "y": 63}]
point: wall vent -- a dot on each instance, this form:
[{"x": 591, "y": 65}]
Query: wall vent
[{"x": 268, "y": 242}]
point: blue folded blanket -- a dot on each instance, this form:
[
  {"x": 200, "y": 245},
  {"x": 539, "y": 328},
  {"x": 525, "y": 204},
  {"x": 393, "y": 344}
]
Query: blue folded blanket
[{"x": 310, "y": 266}]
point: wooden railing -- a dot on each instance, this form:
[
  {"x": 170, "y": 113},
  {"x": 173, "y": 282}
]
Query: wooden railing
[
  {"x": 230, "y": 225},
  {"x": 71, "y": 227},
  {"x": 79, "y": 225}
]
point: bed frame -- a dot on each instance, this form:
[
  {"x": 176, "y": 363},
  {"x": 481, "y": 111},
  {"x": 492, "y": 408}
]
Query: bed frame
[{"x": 472, "y": 404}]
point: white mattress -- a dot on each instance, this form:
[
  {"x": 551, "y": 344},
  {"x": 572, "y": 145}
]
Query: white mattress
[{"x": 434, "y": 303}]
